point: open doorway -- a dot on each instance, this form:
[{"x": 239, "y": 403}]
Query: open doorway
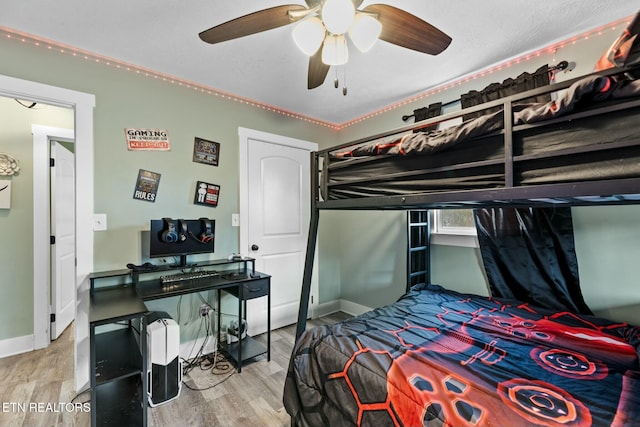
[
  {"x": 82, "y": 105},
  {"x": 25, "y": 223}
]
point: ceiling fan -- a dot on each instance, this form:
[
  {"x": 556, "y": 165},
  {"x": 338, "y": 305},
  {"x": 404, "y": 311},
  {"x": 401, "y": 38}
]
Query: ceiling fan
[{"x": 323, "y": 25}]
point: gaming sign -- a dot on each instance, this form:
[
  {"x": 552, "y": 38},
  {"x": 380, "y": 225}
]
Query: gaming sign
[{"x": 147, "y": 139}]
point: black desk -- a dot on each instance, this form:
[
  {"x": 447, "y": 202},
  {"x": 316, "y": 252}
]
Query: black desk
[
  {"x": 255, "y": 285},
  {"x": 118, "y": 358}
]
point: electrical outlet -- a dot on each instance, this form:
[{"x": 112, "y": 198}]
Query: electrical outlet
[{"x": 99, "y": 222}]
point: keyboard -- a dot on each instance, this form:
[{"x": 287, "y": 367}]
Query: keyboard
[
  {"x": 235, "y": 275},
  {"x": 192, "y": 275}
]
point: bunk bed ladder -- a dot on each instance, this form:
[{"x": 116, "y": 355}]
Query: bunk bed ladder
[{"x": 418, "y": 237}]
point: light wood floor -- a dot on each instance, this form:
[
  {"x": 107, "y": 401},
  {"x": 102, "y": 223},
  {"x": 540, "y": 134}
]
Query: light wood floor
[{"x": 251, "y": 398}]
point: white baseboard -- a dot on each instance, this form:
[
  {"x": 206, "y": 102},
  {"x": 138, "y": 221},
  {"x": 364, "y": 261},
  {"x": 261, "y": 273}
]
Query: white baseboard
[
  {"x": 327, "y": 308},
  {"x": 348, "y": 307},
  {"x": 17, "y": 345},
  {"x": 353, "y": 308}
]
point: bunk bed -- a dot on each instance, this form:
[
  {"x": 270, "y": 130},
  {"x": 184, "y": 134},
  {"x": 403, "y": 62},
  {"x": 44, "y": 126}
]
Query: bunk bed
[
  {"x": 437, "y": 357},
  {"x": 583, "y": 143}
]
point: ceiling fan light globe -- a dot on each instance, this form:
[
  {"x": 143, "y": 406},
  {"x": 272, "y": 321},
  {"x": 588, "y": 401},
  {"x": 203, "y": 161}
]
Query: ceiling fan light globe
[
  {"x": 334, "y": 51},
  {"x": 338, "y": 15},
  {"x": 308, "y": 35},
  {"x": 364, "y": 32}
]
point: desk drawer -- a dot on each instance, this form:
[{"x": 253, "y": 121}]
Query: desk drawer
[{"x": 255, "y": 288}]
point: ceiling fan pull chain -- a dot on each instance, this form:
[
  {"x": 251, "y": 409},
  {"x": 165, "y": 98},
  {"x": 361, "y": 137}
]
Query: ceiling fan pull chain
[
  {"x": 344, "y": 81},
  {"x": 336, "y": 82}
]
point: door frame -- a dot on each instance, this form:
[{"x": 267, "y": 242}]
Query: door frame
[
  {"x": 42, "y": 137},
  {"x": 244, "y": 135},
  {"x": 83, "y": 105}
]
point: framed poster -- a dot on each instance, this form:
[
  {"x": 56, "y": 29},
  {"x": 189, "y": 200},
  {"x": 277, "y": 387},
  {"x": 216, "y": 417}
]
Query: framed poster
[
  {"x": 207, "y": 152},
  {"x": 147, "y": 139},
  {"x": 146, "y": 186},
  {"x": 5, "y": 194},
  {"x": 206, "y": 194}
]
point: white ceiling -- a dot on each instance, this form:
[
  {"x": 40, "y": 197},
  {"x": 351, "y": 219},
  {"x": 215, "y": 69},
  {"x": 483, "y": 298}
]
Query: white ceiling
[{"x": 268, "y": 68}]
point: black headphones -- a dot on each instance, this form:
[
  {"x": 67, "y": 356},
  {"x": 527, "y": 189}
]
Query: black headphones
[
  {"x": 182, "y": 232},
  {"x": 207, "y": 230},
  {"x": 169, "y": 235}
]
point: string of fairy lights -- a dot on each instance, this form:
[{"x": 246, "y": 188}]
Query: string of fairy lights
[
  {"x": 552, "y": 50},
  {"x": 51, "y": 45}
]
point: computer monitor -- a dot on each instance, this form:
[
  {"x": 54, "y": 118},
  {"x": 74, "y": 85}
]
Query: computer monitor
[{"x": 181, "y": 237}]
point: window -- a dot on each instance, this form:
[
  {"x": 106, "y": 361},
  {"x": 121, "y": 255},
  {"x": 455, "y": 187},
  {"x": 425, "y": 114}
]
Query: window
[{"x": 453, "y": 227}]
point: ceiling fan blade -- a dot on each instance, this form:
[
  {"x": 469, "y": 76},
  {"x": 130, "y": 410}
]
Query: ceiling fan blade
[
  {"x": 404, "y": 29},
  {"x": 252, "y": 23},
  {"x": 318, "y": 70}
]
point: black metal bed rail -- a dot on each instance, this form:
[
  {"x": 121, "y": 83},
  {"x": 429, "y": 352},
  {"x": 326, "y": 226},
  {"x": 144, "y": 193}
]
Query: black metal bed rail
[
  {"x": 508, "y": 159},
  {"x": 584, "y": 193},
  {"x": 554, "y": 87}
]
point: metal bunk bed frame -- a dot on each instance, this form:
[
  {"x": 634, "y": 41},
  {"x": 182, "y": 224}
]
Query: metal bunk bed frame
[{"x": 585, "y": 193}]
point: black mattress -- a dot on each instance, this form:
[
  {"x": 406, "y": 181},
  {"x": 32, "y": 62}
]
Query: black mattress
[{"x": 590, "y": 132}]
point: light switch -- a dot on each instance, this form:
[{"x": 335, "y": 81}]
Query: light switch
[
  {"x": 235, "y": 220},
  {"x": 99, "y": 222}
]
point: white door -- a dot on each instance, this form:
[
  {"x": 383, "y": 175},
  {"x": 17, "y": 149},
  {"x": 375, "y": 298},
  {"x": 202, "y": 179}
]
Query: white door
[
  {"x": 63, "y": 269},
  {"x": 277, "y": 205}
]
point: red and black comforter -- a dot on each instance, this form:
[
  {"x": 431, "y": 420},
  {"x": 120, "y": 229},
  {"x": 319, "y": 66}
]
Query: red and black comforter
[{"x": 438, "y": 357}]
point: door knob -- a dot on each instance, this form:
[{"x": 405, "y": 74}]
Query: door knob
[{"x": 255, "y": 247}]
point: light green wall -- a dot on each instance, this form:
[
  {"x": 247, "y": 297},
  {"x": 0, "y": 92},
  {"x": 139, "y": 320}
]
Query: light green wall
[
  {"x": 330, "y": 257},
  {"x": 458, "y": 268},
  {"x": 16, "y": 224},
  {"x": 372, "y": 265},
  {"x": 130, "y": 100},
  {"x": 608, "y": 249}
]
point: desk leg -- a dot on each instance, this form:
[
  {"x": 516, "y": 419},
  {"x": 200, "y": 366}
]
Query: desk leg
[
  {"x": 240, "y": 317},
  {"x": 269, "y": 321},
  {"x": 145, "y": 385},
  {"x": 219, "y": 317},
  {"x": 92, "y": 358}
]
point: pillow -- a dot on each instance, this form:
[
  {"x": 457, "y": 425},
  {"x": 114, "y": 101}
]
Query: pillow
[{"x": 625, "y": 50}]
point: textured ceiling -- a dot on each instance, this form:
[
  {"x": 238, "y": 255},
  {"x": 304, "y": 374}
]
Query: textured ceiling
[{"x": 268, "y": 68}]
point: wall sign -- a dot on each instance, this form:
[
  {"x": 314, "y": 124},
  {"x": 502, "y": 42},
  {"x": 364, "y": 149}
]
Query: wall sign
[
  {"x": 5, "y": 194},
  {"x": 147, "y": 139},
  {"x": 207, "y": 152},
  {"x": 206, "y": 194},
  {"x": 146, "y": 186}
]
